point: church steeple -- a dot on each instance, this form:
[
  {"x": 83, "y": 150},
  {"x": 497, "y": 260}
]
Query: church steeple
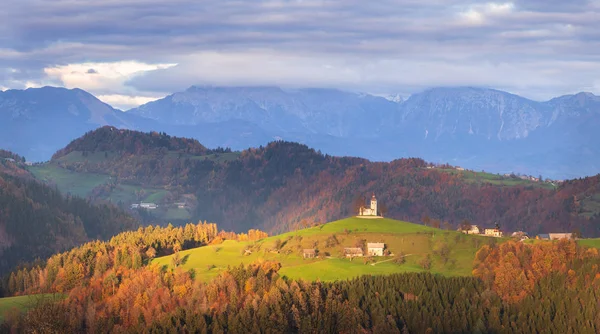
[{"x": 374, "y": 205}]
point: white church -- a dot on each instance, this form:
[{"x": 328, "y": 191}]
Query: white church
[{"x": 370, "y": 212}]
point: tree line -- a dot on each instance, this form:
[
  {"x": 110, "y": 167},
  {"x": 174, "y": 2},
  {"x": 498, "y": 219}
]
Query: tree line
[
  {"x": 128, "y": 250},
  {"x": 256, "y": 299}
]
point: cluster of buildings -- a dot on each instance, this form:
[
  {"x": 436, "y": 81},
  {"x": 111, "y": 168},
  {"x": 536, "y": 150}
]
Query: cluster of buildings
[
  {"x": 373, "y": 249},
  {"x": 488, "y": 232},
  {"x": 26, "y": 163},
  {"x": 532, "y": 178},
  {"x": 144, "y": 205},
  {"x": 153, "y": 206}
]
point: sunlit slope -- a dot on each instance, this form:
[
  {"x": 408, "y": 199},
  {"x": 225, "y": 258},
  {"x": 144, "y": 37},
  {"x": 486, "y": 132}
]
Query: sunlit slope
[
  {"x": 22, "y": 303},
  {"x": 412, "y": 240}
]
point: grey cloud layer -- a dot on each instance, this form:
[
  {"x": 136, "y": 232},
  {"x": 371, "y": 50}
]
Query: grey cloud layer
[{"x": 538, "y": 37}]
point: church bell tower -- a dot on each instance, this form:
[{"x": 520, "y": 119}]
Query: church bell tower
[{"x": 374, "y": 205}]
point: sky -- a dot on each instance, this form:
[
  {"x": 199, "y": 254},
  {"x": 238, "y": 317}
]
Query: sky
[{"x": 129, "y": 52}]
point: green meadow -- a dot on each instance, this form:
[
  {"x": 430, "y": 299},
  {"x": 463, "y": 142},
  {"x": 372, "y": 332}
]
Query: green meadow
[
  {"x": 22, "y": 303},
  {"x": 590, "y": 242},
  {"x": 413, "y": 241}
]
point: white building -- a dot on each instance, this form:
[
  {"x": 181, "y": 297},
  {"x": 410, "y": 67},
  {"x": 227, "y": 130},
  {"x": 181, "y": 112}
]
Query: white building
[
  {"x": 375, "y": 248},
  {"x": 493, "y": 232},
  {"x": 370, "y": 211},
  {"x": 558, "y": 236},
  {"x": 149, "y": 206},
  {"x": 473, "y": 230}
]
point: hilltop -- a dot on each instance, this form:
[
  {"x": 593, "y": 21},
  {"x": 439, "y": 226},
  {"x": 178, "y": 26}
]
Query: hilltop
[
  {"x": 276, "y": 288},
  {"x": 285, "y": 185},
  {"x": 451, "y": 252}
]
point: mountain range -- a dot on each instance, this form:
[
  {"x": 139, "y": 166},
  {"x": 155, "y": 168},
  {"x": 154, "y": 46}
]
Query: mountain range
[{"x": 477, "y": 128}]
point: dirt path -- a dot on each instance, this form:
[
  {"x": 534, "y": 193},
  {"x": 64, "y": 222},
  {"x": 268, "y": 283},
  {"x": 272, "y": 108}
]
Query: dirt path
[{"x": 388, "y": 260}]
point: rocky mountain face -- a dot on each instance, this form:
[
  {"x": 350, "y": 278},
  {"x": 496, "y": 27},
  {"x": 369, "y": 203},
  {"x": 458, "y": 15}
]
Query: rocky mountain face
[
  {"x": 278, "y": 111},
  {"x": 476, "y": 128},
  {"x": 473, "y": 127},
  {"x": 37, "y": 121}
]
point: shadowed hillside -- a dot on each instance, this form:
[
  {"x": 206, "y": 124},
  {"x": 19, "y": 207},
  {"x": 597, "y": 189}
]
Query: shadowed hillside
[
  {"x": 37, "y": 221},
  {"x": 284, "y": 186}
]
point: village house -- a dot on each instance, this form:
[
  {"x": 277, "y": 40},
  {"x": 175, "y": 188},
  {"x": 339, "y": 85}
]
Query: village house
[
  {"x": 520, "y": 235},
  {"x": 375, "y": 248},
  {"x": 180, "y": 205},
  {"x": 309, "y": 253},
  {"x": 554, "y": 236},
  {"x": 492, "y": 232},
  {"x": 472, "y": 230},
  {"x": 353, "y": 252},
  {"x": 558, "y": 236}
]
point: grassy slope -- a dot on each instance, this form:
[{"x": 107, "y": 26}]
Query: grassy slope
[
  {"x": 413, "y": 240},
  {"x": 590, "y": 242},
  {"x": 501, "y": 180},
  {"x": 66, "y": 181},
  {"x": 21, "y": 303},
  {"x": 82, "y": 184}
]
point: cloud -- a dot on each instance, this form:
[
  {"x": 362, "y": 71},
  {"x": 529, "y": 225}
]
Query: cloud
[
  {"x": 125, "y": 102},
  {"x": 102, "y": 75},
  {"x": 536, "y": 47}
]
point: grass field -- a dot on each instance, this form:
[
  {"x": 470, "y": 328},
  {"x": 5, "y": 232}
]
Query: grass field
[
  {"x": 590, "y": 242},
  {"x": 66, "y": 181},
  {"x": 501, "y": 180},
  {"x": 22, "y": 303},
  {"x": 414, "y": 241},
  {"x": 92, "y": 157}
]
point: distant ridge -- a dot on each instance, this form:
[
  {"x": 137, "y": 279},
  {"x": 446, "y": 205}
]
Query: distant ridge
[{"x": 478, "y": 128}]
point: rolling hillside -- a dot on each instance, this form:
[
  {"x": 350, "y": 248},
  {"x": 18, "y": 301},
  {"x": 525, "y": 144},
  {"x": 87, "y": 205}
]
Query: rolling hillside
[
  {"x": 284, "y": 186},
  {"x": 451, "y": 252}
]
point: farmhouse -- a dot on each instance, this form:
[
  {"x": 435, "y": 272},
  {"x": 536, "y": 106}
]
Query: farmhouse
[
  {"x": 353, "y": 252},
  {"x": 375, "y": 248},
  {"x": 492, "y": 232},
  {"x": 309, "y": 253},
  {"x": 371, "y": 211},
  {"x": 149, "y": 206},
  {"x": 558, "y": 236},
  {"x": 472, "y": 230},
  {"x": 554, "y": 236}
]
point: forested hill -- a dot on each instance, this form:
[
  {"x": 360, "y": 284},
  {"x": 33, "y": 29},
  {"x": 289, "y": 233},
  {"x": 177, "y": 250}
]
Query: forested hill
[
  {"x": 36, "y": 221},
  {"x": 283, "y": 186},
  {"x": 108, "y": 138}
]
